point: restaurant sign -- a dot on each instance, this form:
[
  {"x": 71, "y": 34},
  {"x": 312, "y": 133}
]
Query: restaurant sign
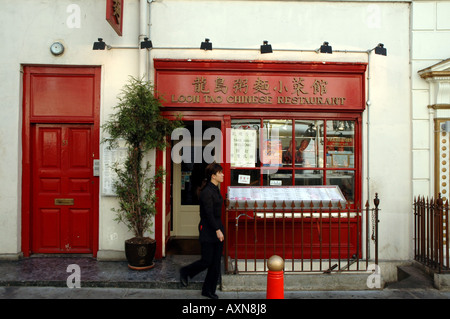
[{"x": 295, "y": 87}]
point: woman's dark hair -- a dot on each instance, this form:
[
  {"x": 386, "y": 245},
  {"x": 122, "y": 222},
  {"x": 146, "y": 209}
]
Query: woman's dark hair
[{"x": 210, "y": 170}]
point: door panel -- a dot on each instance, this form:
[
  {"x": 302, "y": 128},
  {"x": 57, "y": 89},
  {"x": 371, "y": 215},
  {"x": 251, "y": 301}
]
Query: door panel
[
  {"x": 62, "y": 188},
  {"x": 186, "y": 217}
]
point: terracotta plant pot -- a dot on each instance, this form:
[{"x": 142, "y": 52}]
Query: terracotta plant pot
[{"x": 140, "y": 253}]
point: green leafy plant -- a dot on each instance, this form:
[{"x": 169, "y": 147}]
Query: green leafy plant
[{"x": 137, "y": 121}]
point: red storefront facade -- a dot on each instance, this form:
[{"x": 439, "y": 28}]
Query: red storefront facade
[{"x": 282, "y": 124}]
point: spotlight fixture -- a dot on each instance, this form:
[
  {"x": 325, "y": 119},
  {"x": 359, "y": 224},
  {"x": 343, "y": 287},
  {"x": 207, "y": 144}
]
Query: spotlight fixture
[
  {"x": 100, "y": 45},
  {"x": 146, "y": 44},
  {"x": 325, "y": 48},
  {"x": 207, "y": 46},
  {"x": 380, "y": 49},
  {"x": 266, "y": 47}
]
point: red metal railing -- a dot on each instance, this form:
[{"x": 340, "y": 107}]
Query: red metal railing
[
  {"x": 430, "y": 234},
  {"x": 308, "y": 238}
]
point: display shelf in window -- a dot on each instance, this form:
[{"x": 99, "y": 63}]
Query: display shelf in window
[{"x": 290, "y": 194}]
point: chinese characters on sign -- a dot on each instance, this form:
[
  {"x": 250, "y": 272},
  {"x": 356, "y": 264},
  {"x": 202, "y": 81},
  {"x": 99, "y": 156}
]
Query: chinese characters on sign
[{"x": 284, "y": 90}]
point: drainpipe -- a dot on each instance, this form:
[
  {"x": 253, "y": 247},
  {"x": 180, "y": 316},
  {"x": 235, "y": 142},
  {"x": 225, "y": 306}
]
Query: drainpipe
[{"x": 144, "y": 16}]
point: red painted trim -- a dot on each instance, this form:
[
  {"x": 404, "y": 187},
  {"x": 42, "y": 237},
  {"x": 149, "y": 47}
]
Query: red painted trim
[
  {"x": 159, "y": 227},
  {"x": 168, "y": 207},
  {"x": 26, "y": 168},
  {"x": 266, "y": 66},
  {"x": 28, "y": 120}
]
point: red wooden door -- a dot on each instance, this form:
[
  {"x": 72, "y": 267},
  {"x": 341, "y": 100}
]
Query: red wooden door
[{"x": 62, "y": 188}]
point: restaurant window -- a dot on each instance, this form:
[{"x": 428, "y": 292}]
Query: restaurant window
[{"x": 293, "y": 152}]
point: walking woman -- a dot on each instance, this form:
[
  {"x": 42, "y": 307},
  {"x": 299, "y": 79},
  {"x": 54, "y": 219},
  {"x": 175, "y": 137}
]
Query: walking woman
[{"x": 211, "y": 233}]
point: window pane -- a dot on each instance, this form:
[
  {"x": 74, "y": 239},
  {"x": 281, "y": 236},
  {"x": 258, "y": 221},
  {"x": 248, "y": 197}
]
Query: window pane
[
  {"x": 340, "y": 143},
  {"x": 276, "y": 137},
  {"x": 191, "y": 179},
  {"x": 309, "y": 143},
  {"x": 308, "y": 178},
  {"x": 245, "y": 177},
  {"x": 279, "y": 178},
  {"x": 346, "y": 182},
  {"x": 244, "y": 143}
]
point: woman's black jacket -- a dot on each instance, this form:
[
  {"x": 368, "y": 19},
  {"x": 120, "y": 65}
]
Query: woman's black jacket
[{"x": 210, "y": 213}]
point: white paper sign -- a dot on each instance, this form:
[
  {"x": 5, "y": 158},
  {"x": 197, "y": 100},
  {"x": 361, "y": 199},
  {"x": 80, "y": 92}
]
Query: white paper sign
[
  {"x": 110, "y": 157},
  {"x": 244, "y": 179},
  {"x": 243, "y": 148}
]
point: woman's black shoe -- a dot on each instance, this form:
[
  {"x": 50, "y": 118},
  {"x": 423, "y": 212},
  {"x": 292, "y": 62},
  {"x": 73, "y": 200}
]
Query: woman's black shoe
[
  {"x": 184, "y": 279},
  {"x": 210, "y": 295}
]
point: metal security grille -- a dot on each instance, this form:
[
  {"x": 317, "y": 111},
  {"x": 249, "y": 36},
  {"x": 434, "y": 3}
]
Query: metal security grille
[{"x": 322, "y": 238}]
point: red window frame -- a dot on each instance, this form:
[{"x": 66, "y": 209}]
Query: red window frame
[{"x": 357, "y": 152}]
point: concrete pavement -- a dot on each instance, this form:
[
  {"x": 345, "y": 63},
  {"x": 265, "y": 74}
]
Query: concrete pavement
[
  {"x": 29, "y": 292},
  {"x": 51, "y": 277}
]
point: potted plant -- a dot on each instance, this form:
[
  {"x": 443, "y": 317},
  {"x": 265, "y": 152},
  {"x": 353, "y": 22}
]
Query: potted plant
[{"x": 137, "y": 122}]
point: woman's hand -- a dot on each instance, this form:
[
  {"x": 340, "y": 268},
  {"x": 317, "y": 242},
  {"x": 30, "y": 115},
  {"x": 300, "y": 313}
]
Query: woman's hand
[{"x": 220, "y": 235}]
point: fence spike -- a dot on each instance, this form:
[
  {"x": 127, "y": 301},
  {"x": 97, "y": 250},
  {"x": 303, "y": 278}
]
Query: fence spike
[{"x": 376, "y": 201}]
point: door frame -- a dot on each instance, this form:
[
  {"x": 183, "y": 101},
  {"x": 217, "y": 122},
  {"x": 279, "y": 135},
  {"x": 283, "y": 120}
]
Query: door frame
[
  {"x": 178, "y": 210},
  {"x": 164, "y": 192},
  {"x": 28, "y": 119}
]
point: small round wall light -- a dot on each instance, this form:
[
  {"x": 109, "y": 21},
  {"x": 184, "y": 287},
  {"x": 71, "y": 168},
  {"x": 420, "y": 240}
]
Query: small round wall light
[{"x": 57, "y": 48}]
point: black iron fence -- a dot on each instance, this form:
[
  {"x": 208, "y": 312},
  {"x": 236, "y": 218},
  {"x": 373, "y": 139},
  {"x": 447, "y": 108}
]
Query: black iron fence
[
  {"x": 310, "y": 238},
  {"x": 430, "y": 233}
]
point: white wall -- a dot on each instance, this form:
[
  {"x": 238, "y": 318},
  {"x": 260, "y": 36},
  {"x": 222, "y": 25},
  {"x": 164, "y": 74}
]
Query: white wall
[{"x": 430, "y": 35}]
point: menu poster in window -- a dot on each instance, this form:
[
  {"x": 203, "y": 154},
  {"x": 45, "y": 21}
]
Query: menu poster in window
[
  {"x": 110, "y": 157},
  {"x": 243, "y": 148}
]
